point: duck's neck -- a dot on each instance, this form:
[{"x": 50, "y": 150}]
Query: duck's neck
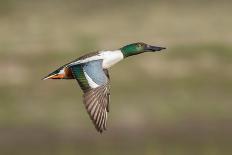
[{"x": 129, "y": 51}]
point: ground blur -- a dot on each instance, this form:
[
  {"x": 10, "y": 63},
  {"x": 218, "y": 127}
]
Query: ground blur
[{"x": 176, "y": 102}]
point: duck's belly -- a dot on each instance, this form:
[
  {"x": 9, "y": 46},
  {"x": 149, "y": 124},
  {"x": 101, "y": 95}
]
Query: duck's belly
[{"x": 110, "y": 58}]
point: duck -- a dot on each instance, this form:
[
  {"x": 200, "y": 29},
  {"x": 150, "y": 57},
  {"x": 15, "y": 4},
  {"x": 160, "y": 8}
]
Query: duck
[{"x": 91, "y": 73}]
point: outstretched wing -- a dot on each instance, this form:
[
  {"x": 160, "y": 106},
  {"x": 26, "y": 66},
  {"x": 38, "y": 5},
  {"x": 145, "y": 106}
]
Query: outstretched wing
[
  {"x": 94, "y": 82},
  {"x": 96, "y": 102}
]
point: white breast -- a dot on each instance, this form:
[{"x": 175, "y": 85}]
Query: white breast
[{"x": 110, "y": 58}]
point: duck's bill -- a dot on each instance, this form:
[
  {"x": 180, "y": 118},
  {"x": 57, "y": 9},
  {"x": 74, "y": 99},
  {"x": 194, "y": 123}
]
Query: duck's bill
[{"x": 153, "y": 48}]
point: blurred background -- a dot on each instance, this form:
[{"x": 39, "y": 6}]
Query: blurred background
[{"x": 176, "y": 102}]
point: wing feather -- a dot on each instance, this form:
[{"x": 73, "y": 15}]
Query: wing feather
[
  {"x": 96, "y": 102},
  {"x": 96, "y": 99}
]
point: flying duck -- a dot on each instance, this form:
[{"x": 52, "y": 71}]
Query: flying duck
[{"x": 91, "y": 73}]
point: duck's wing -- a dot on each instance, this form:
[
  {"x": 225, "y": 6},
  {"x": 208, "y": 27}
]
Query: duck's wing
[
  {"x": 94, "y": 82},
  {"x": 93, "y": 56}
]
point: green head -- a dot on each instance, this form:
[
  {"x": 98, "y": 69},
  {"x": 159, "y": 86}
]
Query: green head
[{"x": 137, "y": 48}]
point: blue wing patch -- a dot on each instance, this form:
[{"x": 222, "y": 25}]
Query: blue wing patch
[{"x": 95, "y": 71}]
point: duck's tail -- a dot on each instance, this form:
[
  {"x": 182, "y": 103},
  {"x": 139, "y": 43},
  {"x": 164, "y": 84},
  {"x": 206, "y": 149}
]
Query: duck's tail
[{"x": 57, "y": 74}]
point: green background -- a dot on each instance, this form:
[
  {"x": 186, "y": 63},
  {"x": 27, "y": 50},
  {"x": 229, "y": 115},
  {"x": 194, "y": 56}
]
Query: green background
[{"x": 176, "y": 102}]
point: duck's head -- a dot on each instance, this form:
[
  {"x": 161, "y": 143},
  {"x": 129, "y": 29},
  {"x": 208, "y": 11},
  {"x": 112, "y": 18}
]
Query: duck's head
[{"x": 137, "y": 48}]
